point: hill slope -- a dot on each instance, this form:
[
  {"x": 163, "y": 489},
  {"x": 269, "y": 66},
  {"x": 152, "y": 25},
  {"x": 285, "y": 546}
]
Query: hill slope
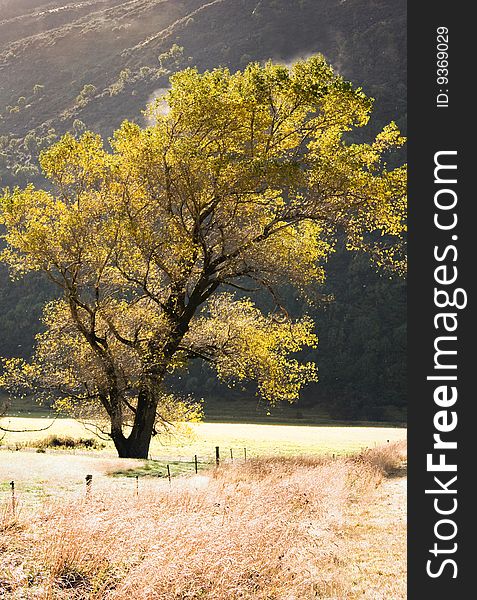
[{"x": 121, "y": 52}]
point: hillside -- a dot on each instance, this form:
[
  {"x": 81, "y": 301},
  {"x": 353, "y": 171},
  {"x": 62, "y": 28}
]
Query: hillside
[
  {"x": 100, "y": 61},
  {"x": 66, "y": 66}
]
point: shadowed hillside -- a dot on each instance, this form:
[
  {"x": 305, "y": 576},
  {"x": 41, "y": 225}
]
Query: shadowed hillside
[{"x": 99, "y": 61}]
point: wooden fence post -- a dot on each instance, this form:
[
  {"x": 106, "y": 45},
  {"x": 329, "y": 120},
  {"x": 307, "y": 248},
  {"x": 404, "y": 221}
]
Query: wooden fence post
[
  {"x": 245, "y": 454},
  {"x": 89, "y": 483},
  {"x": 217, "y": 456},
  {"x": 195, "y": 464},
  {"x": 231, "y": 455},
  {"x": 169, "y": 474}
]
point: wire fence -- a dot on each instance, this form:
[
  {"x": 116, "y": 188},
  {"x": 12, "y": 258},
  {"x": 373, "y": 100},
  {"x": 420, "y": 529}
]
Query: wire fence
[{"x": 16, "y": 493}]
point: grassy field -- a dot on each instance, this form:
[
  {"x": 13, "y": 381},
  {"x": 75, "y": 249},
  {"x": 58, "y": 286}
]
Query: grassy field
[
  {"x": 201, "y": 438},
  {"x": 280, "y": 528},
  {"x": 58, "y": 472},
  {"x": 292, "y": 521},
  {"x": 222, "y": 410}
]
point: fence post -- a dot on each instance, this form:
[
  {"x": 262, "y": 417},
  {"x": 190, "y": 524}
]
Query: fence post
[
  {"x": 231, "y": 455},
  {"x": 195, "y": 464},
  {"x": 217, "y": 456},
  {"x": 245, "y": 454},
  {"x": 89, "y": 483},
  {"x": 169, "y": 474},
  {"x": 137, "y": 485}
]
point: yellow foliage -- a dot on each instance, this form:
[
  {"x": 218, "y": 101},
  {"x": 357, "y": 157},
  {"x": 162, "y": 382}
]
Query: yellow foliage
[{"x": 244, "y": 181}]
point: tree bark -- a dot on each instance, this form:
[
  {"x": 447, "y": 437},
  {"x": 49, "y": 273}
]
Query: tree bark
[{"x": 136, "y": 444}]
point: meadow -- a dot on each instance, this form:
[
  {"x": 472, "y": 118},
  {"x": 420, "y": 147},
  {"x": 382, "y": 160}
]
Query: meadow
[
  {"x": 201, "y": 438},
  {"x": 310, "y": 511},
  {"x": 278, "y": 528},
  {"x": 51, "y": 472}
]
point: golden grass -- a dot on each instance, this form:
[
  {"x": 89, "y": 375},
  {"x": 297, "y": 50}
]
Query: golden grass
[
  {"x": 259, "y": 439},
  {"x": 270, "y": 529}
]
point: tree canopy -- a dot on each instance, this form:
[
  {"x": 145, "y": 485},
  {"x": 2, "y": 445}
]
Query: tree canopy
[{"x": 241, "y": 184}]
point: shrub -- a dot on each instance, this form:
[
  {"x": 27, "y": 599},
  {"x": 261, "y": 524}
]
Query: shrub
[{"x": 65, "y": 442}]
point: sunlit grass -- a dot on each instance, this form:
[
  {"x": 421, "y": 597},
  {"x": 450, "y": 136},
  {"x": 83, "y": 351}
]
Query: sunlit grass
[
  {"x": 269, "y": 528},
  {"x": 57, "y": 472},
  {"x": 202, "y": 438}
]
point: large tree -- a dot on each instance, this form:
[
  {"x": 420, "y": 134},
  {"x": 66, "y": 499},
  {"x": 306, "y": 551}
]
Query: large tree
[{"x": 241, "y": 183}]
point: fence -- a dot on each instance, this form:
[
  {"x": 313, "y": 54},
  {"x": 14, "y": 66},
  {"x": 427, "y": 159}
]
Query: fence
[{"x": 165, "y": 470}]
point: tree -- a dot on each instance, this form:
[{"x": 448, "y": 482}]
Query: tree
[{"x": 240, "y": 186}]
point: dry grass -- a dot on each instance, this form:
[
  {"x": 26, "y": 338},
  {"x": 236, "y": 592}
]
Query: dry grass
[
  {"x": 389, "y": 459},
  {"x": 376, "y": 532},
  {"x": 270, "y": 529}
]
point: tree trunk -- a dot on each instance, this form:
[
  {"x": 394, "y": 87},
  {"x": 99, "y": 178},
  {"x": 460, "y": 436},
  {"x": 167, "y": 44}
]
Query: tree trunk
[
  {"x": 136, "y": 445},
  {"x": 133, "y": 448}
]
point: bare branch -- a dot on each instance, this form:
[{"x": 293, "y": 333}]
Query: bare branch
[{"x": 8, "y": 430}]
